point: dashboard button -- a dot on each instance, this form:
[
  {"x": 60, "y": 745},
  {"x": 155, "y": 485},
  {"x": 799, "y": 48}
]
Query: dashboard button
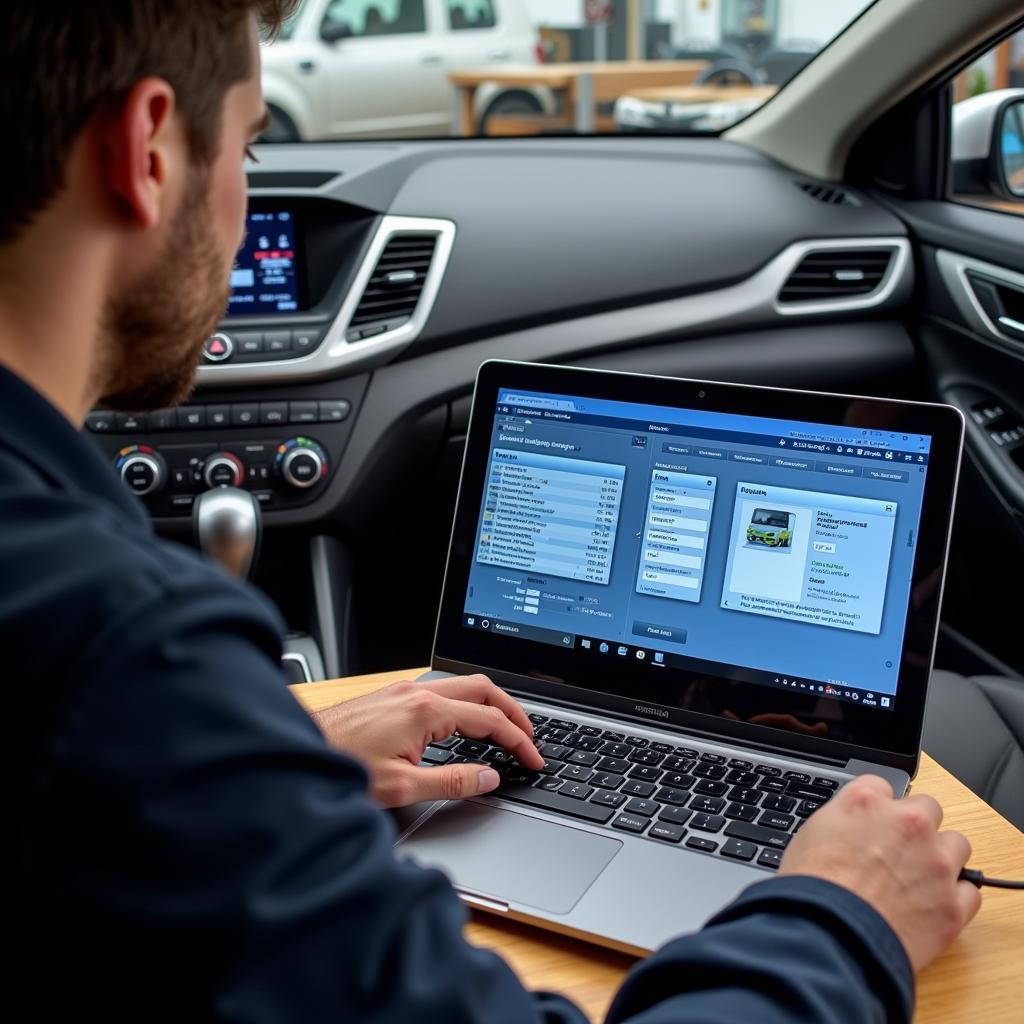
[
  {"x": 334, "y": 411},
  {"x": 245, "y": 414},
  {"x": 264, "y": 497},
  {"x": 100, "y": 422},
  {"x": 192, "y": 416},
  {"x": 302, "y": 412},
  {"x": 162, "y": 419},
  {"x": 218, "y": 415},
  {"x": 249, "y": 342},
  {"x": 273, "y": 412},
  {"x": 278, "y": 341},
  {"x": 218, "y": 348},
  {"x": 183, "y": 501},
  {"x": 305, "y": 339},
  {"x": 132, "y": 421}
]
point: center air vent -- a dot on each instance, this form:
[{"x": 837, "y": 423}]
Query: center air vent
[
  {"x": 829, "y": 274},
  {"x": 395, "y": 286}
]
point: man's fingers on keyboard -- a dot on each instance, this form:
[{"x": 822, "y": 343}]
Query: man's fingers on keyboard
[{"x": 483, "y": 721}]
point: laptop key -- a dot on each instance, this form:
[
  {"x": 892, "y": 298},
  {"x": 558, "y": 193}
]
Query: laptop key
[
  {"x": 710, "y": 771},
  {"x": 797, "y": 777},
  {"x": 677, "y": 780},
  {"x": 447, "y": 743},
  {"x": 645, "y": 772},
  {"x": 581, "y": 742},
  {"x": 550, "y": 782},
  {"x": 687, "y": 752},
  {"x": 737, "y": 763},
  {"x": 556, "y": 802},
  {"x": 738, "y": 850},
  {"x": 707, "y": 804},
  {"x": 712, "y": 758},
  {"x": 666, "y": 831},
  {"x": 551, "y": 767},
  {"x": 770, "y": 859},
  {"x": 606, "y": 799},
  {"x": 757, "y": 834},
  {"x": 498, "y": 756},
  {"x": 677, "y": 815},
  {"x": 739, "y": 778},
  {"x": 615, "y": 737},
  {"x": 577, "y": 790},
  {"x": 745, "y": 796},
  {"x": 826, "y": 783},
  {"x": 619, "y": 765},
  {"x": 772, "y": 819},
  {"x": 668, "y": 795},
  {"x": 561, "y": 723},
  {"x": 774, "y": 802},
  {"x": 741, "y": 812},
  {"x": 662, "y": 748},
  {"x": 558, "y": 735},
  {"x": 708, "y": 787},
  {"x": 700, "y": 843},
  {"x": 636, "y": 787},
  {"x": 635, "y": 741},
  {"x": 554, "y": 750},
  {"x": 807, "y": 792},
  {"x": 588, "y": 730},
  {"x": 616, "y": 749},
  {"x": 537, "y": 718},
  {"x": 471, "y": 748},
  {"x": 607, "y": 780},
  {"x": 587, "y": 757},
  {"x": 576, "y": 773},
  {"x": 521, "y": 777},
  {"x": 807, "y": 808},
  {"x": 434, "y": 756},
  {"x": 630, "y": 822},
  {"x": 675, "y": 763},
  {"x": 647, "y": 756},
  {"x": 767, "y": 769},
  {"x": 647, "y": 808},
  {"x": 772, "y": 786}
]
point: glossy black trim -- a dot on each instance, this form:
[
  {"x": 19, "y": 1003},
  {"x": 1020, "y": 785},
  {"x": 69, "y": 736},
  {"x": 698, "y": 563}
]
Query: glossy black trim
[{"x": 693, "y": 700}]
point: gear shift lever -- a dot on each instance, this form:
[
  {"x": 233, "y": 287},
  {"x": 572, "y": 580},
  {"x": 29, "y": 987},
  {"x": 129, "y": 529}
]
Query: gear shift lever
[{"x": 227, "y": 525}]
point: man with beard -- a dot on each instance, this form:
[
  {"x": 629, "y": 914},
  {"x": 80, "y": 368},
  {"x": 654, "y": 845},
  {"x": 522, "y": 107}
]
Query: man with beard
[{"x": 187, "y": 843}]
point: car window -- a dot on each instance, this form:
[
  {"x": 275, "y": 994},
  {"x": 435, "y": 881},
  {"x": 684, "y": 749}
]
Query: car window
[
  {"x": 537, "y": 67},
  {"x": 377, "y": 17},
  {"x": 464, "y": 14},
  {"x": 987, "y": 130}
]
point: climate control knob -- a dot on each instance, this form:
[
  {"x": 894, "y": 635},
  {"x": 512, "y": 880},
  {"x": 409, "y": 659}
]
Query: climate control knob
[
  {"x": 301, "y": 462},
  {"x": 141, "y": 468},
  {"x": 223, "y": 469}
]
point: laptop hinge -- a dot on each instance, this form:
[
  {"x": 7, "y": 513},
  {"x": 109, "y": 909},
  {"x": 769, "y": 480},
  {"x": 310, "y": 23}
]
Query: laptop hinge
[{"x": 484, "y": 902}]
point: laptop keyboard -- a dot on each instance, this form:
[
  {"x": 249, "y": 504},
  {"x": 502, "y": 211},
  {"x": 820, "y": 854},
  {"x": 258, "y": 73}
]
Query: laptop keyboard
[{"x": 676, "y": 795}]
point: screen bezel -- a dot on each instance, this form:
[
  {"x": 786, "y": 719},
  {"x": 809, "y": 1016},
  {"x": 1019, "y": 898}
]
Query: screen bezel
[{"x": 530, "y": 668}]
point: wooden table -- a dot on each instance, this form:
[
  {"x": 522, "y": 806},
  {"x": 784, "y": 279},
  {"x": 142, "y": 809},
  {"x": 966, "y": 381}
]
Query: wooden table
[
  {"x": 686, "y": 95},
  {"x": 581, "y": 86},
  {"x": 976, "y": 981}
]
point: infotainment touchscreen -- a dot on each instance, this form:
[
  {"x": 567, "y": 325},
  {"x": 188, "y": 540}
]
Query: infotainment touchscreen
[{"x": 266, "y": 274}]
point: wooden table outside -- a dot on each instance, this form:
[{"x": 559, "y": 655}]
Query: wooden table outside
[
  {"x": 976, "y": 981},
  {"x": 694, "y": 94},
  {"x": 580, "y": 86}
]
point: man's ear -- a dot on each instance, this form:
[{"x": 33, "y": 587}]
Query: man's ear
[{"x": 144, "y": 149}]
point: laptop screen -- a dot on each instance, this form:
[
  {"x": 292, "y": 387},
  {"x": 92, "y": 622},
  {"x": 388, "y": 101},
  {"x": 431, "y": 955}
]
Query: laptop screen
[{"x": 660, "y": 543}]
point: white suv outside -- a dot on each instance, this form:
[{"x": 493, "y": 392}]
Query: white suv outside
[{"x": 377, "y": 68}]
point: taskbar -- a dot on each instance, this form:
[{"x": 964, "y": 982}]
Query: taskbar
[{"x": 660, "y": 660}]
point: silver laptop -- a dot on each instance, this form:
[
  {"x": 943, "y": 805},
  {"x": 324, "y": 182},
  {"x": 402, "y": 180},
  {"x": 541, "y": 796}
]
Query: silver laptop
[{"x": 718, "y": 604}]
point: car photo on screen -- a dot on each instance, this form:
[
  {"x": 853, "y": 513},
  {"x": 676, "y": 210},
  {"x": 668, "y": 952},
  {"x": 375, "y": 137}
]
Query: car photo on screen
[{"x": 770, "y": 527}]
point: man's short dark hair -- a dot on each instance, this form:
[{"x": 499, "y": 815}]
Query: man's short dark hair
[{"x": 63, "y": 58}]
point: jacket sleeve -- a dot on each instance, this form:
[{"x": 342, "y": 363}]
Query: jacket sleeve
[
  {"x": 196, "y": 850},
  {"x": 788, "y": 949}
]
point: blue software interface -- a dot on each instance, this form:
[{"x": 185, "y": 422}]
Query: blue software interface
[{"x": 676, "y": 537}]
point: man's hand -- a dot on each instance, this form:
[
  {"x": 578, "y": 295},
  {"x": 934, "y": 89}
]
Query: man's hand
[
  {"x": 388, "y": 731},
  {"x": 891, "y": 854}
]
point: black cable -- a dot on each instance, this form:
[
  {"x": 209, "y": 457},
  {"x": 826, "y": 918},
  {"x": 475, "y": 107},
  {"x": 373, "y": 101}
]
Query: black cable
[{"x": 978, "y": 878}]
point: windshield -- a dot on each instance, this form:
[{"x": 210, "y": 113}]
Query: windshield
[{"x": 364, "y": 69}]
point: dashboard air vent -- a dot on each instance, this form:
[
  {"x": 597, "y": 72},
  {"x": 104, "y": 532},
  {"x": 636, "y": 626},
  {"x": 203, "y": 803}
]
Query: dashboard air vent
[
  {"x": 833, "y": 195},
  {"x": 395, "y": 286},
  {"x": 825, "y": 274}
]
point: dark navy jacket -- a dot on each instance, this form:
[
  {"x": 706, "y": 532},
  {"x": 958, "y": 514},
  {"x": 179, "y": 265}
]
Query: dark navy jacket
[{"x": 182, "y": 845}]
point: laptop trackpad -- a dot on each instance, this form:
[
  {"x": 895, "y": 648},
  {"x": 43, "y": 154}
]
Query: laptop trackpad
[{"x": 511, "y": 856}]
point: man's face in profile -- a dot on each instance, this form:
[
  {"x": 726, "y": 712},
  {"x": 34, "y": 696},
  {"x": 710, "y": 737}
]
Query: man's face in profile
[{"x": 154, "y": 326}]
